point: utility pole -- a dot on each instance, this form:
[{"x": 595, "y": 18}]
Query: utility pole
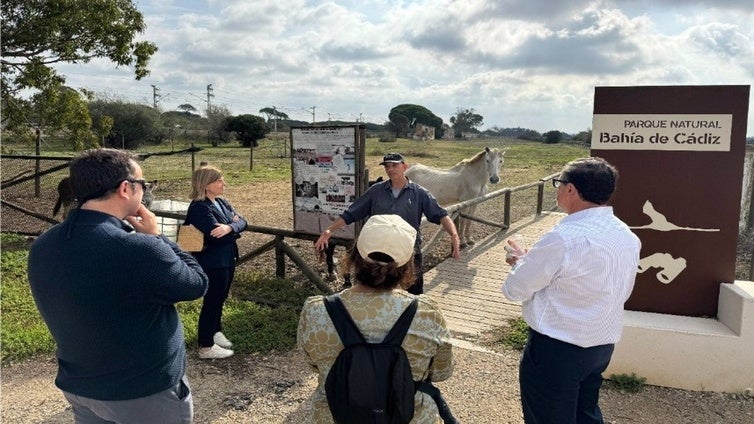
[
  {"x": 155, "y": 95},
  {"x": 209, "y": 98},
  {"x": 209, "y": 112},
  {"x": 275, "y": 110},
  {"x": 312, "y": 109}
]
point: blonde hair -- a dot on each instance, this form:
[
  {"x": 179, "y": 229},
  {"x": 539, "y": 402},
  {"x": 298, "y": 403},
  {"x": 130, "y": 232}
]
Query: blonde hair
[{"x": 201, "y": 178}]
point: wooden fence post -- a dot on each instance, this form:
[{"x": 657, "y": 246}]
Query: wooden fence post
[
  {"x": 507, "y": 209},
  {"x": 279, "y": 257}
]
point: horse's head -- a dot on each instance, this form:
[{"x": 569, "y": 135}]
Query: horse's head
[
  {"x": 494, "y": 159},
  {"x": 148, "y": 197}
]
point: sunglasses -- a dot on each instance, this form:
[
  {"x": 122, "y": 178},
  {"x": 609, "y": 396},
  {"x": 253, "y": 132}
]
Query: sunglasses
[
  {"x": 556, "y": 182},
  {"x": 144, "y": 184}
]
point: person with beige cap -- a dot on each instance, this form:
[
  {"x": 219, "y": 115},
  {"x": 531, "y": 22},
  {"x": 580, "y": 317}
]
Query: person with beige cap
[{"x": 380, "y": 265}]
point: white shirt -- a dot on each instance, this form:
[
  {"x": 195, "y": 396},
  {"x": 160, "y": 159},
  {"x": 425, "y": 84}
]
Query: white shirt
[{"x": 575, "y": 279}]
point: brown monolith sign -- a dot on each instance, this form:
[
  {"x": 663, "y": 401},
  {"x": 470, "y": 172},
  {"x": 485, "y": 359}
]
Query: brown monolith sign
[{"x": 680, "y": 154}]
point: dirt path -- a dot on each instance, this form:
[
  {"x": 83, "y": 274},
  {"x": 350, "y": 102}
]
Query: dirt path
[{"x": 277, "y": 388}]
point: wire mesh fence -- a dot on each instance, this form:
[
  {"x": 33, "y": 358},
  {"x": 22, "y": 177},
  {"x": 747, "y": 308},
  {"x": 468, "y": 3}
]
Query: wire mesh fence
[{"x": 29, "y": 192}]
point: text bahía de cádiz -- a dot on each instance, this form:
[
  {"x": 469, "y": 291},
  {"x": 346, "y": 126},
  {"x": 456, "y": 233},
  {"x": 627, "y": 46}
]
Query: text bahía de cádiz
[{"x": 662, "y": 132}]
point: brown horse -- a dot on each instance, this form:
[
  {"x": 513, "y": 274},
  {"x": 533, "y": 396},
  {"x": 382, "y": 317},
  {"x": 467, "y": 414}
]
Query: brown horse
[{"x": 66, "y": 199}]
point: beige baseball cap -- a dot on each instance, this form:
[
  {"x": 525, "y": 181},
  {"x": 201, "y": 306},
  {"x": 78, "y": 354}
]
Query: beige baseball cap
[{"x": 388, "y": 234}]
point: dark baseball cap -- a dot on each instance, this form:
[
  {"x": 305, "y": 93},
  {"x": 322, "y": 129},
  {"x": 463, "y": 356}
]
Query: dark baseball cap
[{"x": 392, "y": 158}]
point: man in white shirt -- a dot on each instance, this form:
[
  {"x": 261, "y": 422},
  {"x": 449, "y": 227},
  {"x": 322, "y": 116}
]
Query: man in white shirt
[{"x": 572, "y": 284}]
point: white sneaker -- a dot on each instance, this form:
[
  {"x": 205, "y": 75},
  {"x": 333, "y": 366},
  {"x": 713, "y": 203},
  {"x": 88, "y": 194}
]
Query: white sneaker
[
  {"x": 214, "y": 352},
  {"x": 222, "y": 341}
]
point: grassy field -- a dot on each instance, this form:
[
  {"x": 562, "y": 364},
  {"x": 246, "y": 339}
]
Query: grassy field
[
  {"x": 524, "y": 161},
  {"x": 269, "y": 322}
]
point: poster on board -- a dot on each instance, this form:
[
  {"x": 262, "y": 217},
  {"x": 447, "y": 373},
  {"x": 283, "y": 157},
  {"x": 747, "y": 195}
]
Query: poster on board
[{"x": 326, "y": 167}]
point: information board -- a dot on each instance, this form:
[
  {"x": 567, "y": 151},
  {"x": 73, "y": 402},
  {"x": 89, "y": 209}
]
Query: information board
[{"x": 327, "y": 176}]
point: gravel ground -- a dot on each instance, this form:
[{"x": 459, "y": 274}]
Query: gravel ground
[{"x": 275, "y": 388}]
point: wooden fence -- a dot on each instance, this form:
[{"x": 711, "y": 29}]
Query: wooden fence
[
  {"x": 283, "y": 249},
  {"x": 456, "y": 211}
]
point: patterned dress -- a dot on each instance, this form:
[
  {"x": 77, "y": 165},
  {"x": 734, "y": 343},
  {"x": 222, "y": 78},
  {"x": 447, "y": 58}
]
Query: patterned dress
[{"x": 375, "y": 313}]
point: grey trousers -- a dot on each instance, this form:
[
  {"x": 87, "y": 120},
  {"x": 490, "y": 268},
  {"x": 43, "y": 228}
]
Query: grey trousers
[{"x": 172, "y": 406}]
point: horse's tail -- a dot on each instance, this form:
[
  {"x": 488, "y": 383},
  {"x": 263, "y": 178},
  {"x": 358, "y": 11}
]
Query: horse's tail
[
  {"x": 65, "y": 196},
  {"x": 58, "y": 204}
]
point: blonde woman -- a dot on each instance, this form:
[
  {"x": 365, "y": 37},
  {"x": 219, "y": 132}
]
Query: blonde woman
[{"x": 222, "y": 226}]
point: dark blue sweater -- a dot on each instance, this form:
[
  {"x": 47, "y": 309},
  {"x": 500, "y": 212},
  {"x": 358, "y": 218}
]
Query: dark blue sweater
[{"x": 107, "y": 295}]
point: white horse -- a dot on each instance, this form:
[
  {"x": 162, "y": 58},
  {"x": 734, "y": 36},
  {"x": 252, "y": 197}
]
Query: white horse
[{"x": 465, "y": 180}]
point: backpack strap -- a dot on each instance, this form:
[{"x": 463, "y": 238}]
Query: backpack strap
[
  {"x": 400, "y": 328},
  {"x": 347, "y": 330}
]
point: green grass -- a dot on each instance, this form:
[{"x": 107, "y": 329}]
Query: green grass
[
  {"x": 515, "y": 335},
  {"x": 22, "y": 330},
  {"x": 263, "y": 326}
]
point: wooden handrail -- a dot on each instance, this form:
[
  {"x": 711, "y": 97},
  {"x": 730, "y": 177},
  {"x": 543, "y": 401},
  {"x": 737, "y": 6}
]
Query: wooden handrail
[{"x": 455, "y": 209}]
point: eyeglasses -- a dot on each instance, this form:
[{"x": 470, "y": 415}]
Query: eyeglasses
[
  {"x": 556, "y": 182},
  {"x": 144, "y": 184}
]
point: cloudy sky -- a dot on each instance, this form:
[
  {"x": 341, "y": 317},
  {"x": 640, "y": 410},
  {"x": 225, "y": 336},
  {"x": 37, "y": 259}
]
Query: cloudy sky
[{"x": 518, "y": 63}]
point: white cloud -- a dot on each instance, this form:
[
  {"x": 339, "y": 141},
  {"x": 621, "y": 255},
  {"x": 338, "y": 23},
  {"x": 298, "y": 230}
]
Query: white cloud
[{"x": 528, "y": 63}]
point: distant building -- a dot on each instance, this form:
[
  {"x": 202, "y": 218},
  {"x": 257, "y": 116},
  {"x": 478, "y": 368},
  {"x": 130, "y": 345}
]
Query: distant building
[
  {"x": 423, "y": 132},
  {"x": 447, "y": 132}
]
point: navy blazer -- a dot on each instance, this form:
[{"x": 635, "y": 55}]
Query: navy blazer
[{"x": 218, "y": 252}]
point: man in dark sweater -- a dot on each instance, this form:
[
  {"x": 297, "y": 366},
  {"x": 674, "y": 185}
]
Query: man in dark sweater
[{"x": 106, "y": 291}]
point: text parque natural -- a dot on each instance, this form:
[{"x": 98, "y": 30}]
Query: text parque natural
[{"x": 655, "y": 123}]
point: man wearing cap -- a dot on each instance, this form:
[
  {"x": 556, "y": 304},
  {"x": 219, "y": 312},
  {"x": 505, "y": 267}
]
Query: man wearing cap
[
  {"x": 399, "y": 196},
  {"x": 106, "y": 291}
]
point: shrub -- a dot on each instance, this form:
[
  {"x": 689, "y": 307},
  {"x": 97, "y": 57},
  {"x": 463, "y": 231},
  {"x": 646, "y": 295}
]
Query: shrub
[
  {"x": 515, "y": 334},
  {"x": 627, "y": 383},
  {"x": 386, "y": 138}
]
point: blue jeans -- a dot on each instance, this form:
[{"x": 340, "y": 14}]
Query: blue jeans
[
  {"x": 560, "y": 382},
  {"x": 172, "y": 406}
]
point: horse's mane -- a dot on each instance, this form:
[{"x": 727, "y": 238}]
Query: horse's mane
[{"x": 470, "y": 161}]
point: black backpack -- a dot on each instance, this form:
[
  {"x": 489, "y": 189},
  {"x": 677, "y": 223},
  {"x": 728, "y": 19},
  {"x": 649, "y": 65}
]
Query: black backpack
[{"x": 370, "y": 383}]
